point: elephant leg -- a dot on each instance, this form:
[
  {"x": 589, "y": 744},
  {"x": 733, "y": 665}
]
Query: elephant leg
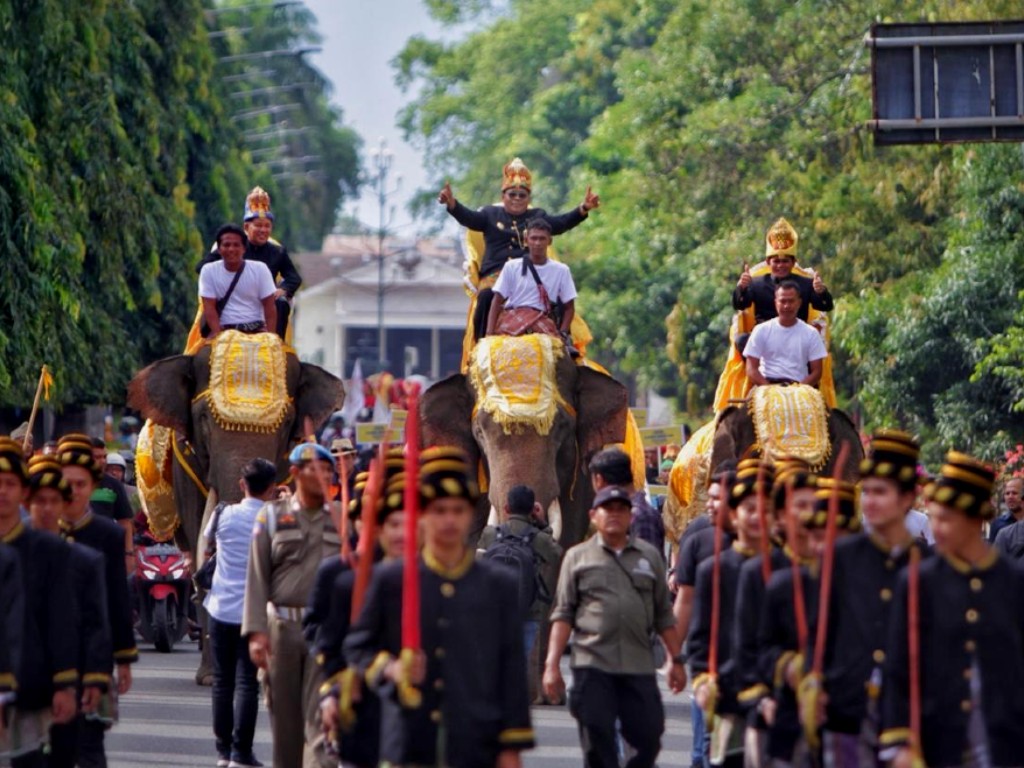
[{"x": 204, "y": 674}]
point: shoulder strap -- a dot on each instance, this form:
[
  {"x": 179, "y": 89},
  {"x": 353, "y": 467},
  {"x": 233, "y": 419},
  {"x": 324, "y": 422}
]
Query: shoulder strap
[
  {"x": 231, "y": 288},
  {"x": 211, "y": 540},
  {"x": 540, "y": 285}
]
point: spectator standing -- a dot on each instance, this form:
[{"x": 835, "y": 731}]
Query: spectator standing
[
  {"x": 110, "y": 500},
  {"x": 612, "y": 467},
  {"x": 613, "y": 595},
  {"x": 1013, "y": 501},
  {"x": 523, "y": 518},
  {"x": 235, "y": 689}
]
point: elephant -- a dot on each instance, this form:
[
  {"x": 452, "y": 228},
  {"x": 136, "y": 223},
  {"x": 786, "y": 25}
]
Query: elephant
[
  {"x": 173, "y": 393},
  {"x": 734, "y": 435},
  {"x": 554, "y": 464}
]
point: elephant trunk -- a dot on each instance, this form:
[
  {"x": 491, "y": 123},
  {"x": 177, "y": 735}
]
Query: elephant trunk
[{"x": 555, "y": 518}]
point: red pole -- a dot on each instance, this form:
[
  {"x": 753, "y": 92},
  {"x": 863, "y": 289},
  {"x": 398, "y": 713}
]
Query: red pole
[
  {"x": 799, "y": 609},
  {"x": 411, "y": 571},
  {"x": 828, "y": 560},
  {"x": 368, "y": 536}
]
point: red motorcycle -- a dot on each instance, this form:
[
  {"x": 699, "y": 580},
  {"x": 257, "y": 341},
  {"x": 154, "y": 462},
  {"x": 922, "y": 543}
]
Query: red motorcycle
[{"x": 163, "y": 585}]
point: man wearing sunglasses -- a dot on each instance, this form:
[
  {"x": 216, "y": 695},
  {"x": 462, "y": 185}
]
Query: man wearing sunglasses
[{"x": 504, "y": 229}]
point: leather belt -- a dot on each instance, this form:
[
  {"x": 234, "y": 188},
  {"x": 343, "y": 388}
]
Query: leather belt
[{"x": 288, "y": 612}]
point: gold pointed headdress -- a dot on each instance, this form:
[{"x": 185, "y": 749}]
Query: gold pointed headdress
[
  {"x": 257, "y": 205},
  {"x": 516, "y": 174},
  {"x": 781, "y": 240}
]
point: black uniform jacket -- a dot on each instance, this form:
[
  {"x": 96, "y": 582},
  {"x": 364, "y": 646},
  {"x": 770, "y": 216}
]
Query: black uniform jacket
[
  {"x": 761, "y": 293},
  {"x": 863, "y": 583},
  {"x": 778, "y": 642},
  {"x": 505, "y": 234},
  {"x": 971, "y": 619},
  {"x": 749, "y": 602},
  {"x": 698, "y": 640},
  {"x": 12, "y": 618},
  {"x": 275, "y": 256},
  {"x": 107, "y": 538},
  {"x": 326, "y": 625},
  {"x": 95, "y": 652},
  {"x": 49, "y": 648},
  {"x": 472, "y": 636}
]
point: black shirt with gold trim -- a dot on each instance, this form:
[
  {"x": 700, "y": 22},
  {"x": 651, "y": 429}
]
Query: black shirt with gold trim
[
  {"x": 971, "y": 623},
  {"x": 475, "y": 691},
  {"x": 12, "y": 619},
  {"x": 49, "y": 649}
]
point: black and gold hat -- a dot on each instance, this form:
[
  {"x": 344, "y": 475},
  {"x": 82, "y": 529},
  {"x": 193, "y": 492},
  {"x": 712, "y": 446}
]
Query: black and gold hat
[
  {"x": 75, "y": 450},
  {"x": 790, "y": 473},
  {"x": 12, "y": 460},
  {"x": 964, "y": 484},
  {"x": 892, "y": 455},
  {"x": 394, "y": 498},
  {"x": 848, "y": 514},
  {"x": 355, "y": 504},
  {"x": 394, "y": 462},
  {"x": 747, "y": 473},
  {"x": 46, "y": 472},
  {"x": 445, "y": 472}
]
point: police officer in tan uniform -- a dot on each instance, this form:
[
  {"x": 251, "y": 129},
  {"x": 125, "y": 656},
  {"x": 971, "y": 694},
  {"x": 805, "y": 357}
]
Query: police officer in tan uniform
[{"x": 290, "y": 539}]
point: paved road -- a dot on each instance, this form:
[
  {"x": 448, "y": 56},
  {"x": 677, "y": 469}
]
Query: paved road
[{"x": 165, "y": 721}]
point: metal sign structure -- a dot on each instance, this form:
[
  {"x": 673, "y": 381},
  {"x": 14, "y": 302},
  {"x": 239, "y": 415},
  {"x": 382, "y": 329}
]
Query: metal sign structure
[{"x": 949, "y": 82}]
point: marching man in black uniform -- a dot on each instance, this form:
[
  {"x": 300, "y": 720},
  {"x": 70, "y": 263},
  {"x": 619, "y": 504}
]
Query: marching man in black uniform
[
  {"x": 47, "y": 673},
  {"x": 79, "y": 524},
  {"x": 49, "y": 495},
  {"x": 504, "y": 228},
  {"x": 863, "y": 583},
  {"x": 967, "y": 607},
  {"x": 12, "y": 616},
  {"x": 474, "y": 709}
]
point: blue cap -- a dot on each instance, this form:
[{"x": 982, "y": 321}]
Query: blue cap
[{"x": 304, "y": 452}]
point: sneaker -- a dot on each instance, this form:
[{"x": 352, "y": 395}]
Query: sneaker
[
  {"x": 223, "y": 762},
  {"x": 248, "y": 762}
]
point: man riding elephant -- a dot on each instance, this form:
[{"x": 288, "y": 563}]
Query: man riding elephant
[{"x": 785, "y": 349}]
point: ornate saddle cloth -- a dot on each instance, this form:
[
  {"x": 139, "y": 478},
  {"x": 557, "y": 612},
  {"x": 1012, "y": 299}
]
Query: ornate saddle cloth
[
  {"x": 248, "y": 381},
  {"x": 791, "y": 421},
  {"x": 514, "y": 380},
  {"x": 153, "y": 478}
]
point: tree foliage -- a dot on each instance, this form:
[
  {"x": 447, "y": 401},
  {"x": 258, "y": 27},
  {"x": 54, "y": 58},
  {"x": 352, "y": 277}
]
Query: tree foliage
[
  {"x": 118, "y": 158},
  {"x": 701, "y": 123}
]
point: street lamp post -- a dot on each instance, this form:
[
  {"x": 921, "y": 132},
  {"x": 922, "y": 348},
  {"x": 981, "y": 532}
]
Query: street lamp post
[{"x": 381, "y": 157}]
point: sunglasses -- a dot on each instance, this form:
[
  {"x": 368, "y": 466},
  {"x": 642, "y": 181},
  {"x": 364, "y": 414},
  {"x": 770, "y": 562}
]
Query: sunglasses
[{"x": 517, "y": 195}]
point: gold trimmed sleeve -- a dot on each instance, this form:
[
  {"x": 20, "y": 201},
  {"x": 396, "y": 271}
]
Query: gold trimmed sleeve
[
  {"x": 375, "y": 671},
  {"x": 97, "y": 679},
  {"x": 126, "y": 656},
  {"x": 752, "y": 694},
  {"x": 779, "y": 679},
  {"x": 895, "y": 737},
  {"x": 331, "y": 684},
  {"x": 517, "y": 738},
  {"x": 8, "y": 683}
]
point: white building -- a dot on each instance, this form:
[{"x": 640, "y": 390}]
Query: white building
[{"x": 419, "y": 286}]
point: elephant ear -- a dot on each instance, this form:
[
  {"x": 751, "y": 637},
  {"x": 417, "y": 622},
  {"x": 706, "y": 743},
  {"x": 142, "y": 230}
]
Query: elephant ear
[
  {"x": 163, "y": 392},
  {"x": 317, "y": 395},
  {"x": 601, "y": 406},
  {"x": 446, "y": 416}
]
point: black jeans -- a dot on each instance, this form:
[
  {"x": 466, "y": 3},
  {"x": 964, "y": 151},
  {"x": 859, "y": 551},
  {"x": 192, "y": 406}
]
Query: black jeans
[
  {"x": 235, "y": 691},
  {"x": 78, "y": 743},
  {"x": 599, "y": 699}
]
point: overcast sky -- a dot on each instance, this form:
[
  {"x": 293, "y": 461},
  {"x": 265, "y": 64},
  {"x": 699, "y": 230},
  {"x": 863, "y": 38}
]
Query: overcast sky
[{"x": 361, "y": 37}]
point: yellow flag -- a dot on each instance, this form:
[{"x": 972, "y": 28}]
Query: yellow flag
[{"x": 47, "y": 382}]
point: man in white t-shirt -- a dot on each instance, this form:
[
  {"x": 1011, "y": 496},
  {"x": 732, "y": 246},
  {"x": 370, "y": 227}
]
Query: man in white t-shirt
[
  {"x": 250, "y": 307},
  {"x": 528, "y": 288},
  {"x": 785, "y": 349}
]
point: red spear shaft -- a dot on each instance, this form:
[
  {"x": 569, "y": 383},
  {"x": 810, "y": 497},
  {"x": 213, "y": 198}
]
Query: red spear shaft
[
  {"x": 799, "y": 609},
  {"x": 827, "y": 561},
  {"x": 368, "y": 535},
  {"x": 411, "y": 572}
]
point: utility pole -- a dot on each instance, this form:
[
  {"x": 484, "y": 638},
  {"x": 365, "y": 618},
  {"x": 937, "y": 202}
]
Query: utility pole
[{"x": 381, "y": 157}]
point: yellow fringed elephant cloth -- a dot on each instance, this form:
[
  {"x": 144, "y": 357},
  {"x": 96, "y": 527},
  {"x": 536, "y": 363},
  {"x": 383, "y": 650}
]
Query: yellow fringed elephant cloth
[
  {"x": 687, "y": 482},
  {"x": 733, "y": 384},
  {"x": 153, "y": 478},
  {"x": 791, "y": 421}
]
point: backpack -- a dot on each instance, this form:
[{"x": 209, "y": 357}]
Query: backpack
[{"x": 515, "y": 552}]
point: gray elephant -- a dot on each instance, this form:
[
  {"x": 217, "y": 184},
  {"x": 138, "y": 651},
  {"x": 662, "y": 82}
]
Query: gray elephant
[
  {"x": 591, "y": 412},
  {"x": 734, "y": 435},
  {"x": 176, "y": 393}
]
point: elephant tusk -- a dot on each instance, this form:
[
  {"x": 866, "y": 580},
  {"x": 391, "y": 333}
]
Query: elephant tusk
[
  {"x": 555, "y": 519},
  {"x": 492, "y": 517}
]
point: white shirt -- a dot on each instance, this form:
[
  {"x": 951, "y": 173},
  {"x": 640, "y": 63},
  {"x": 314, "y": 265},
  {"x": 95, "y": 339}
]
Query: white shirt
[
  {"x": 234, "y": 532},
  {"x": 520, "y": 290},
  {"x": 785, "y": 352},
  {"x": 246, "y": 303}
]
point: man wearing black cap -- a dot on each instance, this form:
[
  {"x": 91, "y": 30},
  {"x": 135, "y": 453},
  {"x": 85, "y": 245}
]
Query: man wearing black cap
[
  {"x": 866, "y": 569},
  {"x": 970, "y": 641},
  {"x": 47, "y": 672},
  {"x": 613, "y": 594},
  {"x": 290, "y": 539},
  {"x": 461, "y": 700}
]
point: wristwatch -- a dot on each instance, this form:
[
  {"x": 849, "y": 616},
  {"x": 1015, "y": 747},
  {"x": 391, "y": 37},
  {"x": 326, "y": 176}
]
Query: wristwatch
[{"x": 679, "y": 658}]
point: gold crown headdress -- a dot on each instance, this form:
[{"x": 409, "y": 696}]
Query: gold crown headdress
[
  {"x": 781, "y": 240},
  {"x": 516, "y": 174},
  {"x": 257, "y": 205}
]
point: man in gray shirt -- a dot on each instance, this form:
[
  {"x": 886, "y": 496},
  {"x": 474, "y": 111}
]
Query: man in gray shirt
[{"x": 613, "y": 594}]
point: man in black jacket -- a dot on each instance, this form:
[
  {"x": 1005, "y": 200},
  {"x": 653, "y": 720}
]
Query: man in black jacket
[
  {"x": 504, "y": 229},
  {"x": 258, "y": 223}
]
